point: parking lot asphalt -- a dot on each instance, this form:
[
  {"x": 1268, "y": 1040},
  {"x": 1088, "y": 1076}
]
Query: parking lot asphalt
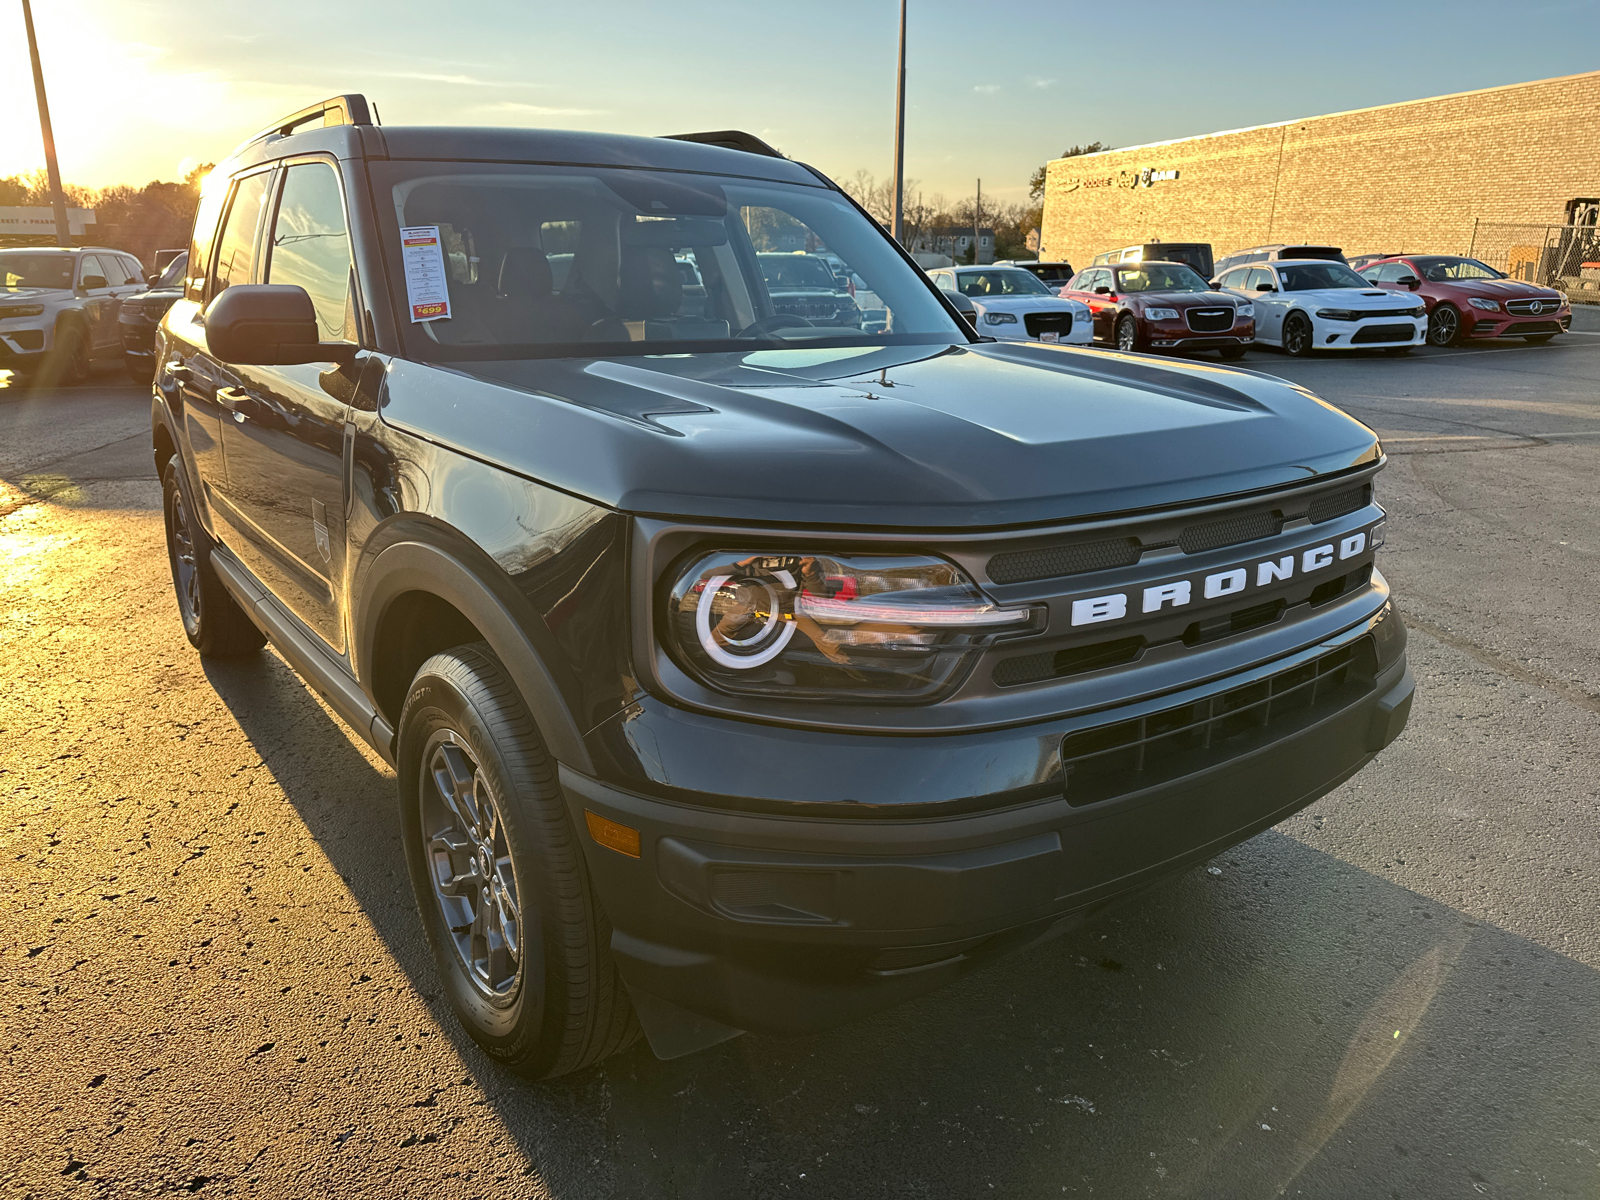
[{"x": 214, "y": 980}]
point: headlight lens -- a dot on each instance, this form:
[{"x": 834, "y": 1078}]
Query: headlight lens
[
  {"x": 22, "y": 310},
  {"x": 999, "y": 318},
  {"x": 1486, "y": 305},
  {"x": 847, "y": 627},
  {"x": 1161, "y": 314},
  {"x": 1245, "y": 310},
  {"x": 1338, "y": 314}
]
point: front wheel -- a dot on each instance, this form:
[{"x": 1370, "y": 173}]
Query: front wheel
[
  {"x": 521, "y": 943},
  {"x": 1444, "y": 326},
  {"x": 68, "y": 363},
  {"x": 1538, "y": 339},
  {"x": 212, "y": 621},
  {"x": 1127, "y": 333},
  {"x": 1297, "y": 335}
]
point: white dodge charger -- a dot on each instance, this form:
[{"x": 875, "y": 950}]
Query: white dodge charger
[
  {"x": 1306, "y": 304},
  {"x": 1012, "y": 305}
]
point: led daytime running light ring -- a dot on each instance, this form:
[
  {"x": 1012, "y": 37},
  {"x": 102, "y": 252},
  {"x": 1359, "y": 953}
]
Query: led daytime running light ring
[{"x": 708, "y": 642}]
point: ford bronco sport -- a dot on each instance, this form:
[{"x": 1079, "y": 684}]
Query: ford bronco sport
[{"x": 740, "y": 670}]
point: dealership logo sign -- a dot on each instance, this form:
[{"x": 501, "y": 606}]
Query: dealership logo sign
[{"x": 1142, "y": 178}]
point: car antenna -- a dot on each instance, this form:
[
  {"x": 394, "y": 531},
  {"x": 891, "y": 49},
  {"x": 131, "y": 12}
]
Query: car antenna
[
  {"x": 883, "y": 378},
  {"x": 376, "y": 115}
]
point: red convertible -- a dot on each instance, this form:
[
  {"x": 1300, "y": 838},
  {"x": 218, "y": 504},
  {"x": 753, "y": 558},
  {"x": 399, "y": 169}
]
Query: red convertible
[
  {"x": 1467, "y": 300},
  {"x": 1162, "y": 306}
]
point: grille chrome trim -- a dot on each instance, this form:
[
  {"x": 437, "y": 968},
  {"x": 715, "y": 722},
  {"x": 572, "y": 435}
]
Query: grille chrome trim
[{"x": 1210, "y": 320}]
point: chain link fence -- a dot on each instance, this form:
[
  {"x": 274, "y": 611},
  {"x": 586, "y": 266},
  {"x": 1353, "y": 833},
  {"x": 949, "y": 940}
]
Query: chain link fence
[{"x": 1566, "y": 257}]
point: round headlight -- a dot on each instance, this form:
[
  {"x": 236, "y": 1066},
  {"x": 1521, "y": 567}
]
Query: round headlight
[{"x": 745, "y": 619}]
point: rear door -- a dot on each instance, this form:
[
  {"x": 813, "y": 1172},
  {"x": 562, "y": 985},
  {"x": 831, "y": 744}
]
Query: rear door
[
  {"x": 1270, "y": 304},
  {"x": 99, "y": 303},
  {"x": 285, "y": 441}
]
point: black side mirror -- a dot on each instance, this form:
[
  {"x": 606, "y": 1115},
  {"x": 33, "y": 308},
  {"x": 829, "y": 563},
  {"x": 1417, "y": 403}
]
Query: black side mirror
[
  {"x": 1265, "y": 287},
  {"x": 1102, "y": 290},
  {"x": 1215, "y": 285},
  {"x": 151, "y": 276},
  {"x": 90, "y": 282},
  {"x": 268, "y": 324},
  {"x": 1410, "y": 281}
]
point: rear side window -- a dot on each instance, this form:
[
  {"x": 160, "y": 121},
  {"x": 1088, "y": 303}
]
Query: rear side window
[
  {"x": 310, "y": 248},
  {"x": 1259, "y": 278},
  {"x": 115, "y": 270},
  {"x": 236, "y": 246},
  {"x": 90, "y": 273}
]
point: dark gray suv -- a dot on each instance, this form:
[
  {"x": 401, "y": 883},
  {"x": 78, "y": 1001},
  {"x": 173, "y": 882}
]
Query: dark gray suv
[{"x": 741, "y": 670}]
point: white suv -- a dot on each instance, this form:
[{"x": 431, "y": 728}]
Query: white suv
[{"x": 59, "y": 307}]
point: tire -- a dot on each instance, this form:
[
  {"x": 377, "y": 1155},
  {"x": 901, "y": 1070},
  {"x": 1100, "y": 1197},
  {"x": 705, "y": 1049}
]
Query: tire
[
  {"x": 68, "y": 362},
  {"x": 1127, "y": 333},
  {"x": 1538, "y": 339},
  {"x": 530, "y": 974},
  {"x": 1296, "y": 335},
  {"x": 1444, "y": 325},
  {"x": 1232, "y": 353},
  {"x": 214, "y": 624}
]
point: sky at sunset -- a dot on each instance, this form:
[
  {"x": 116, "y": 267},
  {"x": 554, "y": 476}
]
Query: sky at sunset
[{"x": 142, "y": 89}]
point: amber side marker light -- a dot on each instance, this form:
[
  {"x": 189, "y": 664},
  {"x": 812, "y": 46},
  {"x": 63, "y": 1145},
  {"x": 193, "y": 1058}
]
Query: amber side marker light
[{"x": 612, "y": 836}]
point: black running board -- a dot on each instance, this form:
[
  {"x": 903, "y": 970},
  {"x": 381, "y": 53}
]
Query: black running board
[{"x": 315, "y": 665}]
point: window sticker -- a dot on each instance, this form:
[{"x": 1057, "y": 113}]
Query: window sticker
[{"x": 427, "y": 289}]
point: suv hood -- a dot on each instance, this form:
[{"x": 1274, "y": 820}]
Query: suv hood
[{"x": 915, "y": 437}]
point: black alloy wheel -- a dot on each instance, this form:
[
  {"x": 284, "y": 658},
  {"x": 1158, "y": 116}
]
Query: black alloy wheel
[
  {"x": 1444, "y": 326},
  {"x": 1127, "y": 333},
  {"x": 1538, "y": 339},
  {"x": 521, "y": 943},
  {"x": 212, "y": 621},
  {"x": 1297, "y": 335}
]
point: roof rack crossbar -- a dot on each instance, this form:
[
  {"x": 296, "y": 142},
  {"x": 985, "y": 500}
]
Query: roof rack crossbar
[{"x": 728, "y": 139}]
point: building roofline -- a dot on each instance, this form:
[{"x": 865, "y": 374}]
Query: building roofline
[{"x": 1198, "y": 137}]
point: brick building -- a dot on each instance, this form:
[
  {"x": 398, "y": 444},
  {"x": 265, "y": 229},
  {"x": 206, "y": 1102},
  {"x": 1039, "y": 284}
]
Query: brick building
[{"x": 1426, "y": 175}]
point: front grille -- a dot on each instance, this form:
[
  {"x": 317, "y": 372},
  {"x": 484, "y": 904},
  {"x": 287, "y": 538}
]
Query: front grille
[
  {"x": 1047, "y": 322},
  {"x": 1413, "y": 313},
  {"x": 1524, "y": 307},
  {"x": 1385, "y": 333},
  {"x": 1213, "y": 535},
  {"x": 1210, "y": 320},
  {"x": 140, "y": 341},
  {"x": 810, "y": 309},
  {"x": 1114, "y": 760},
  {"x": 1337, "y": 504},
  {"x": 1051, "y": 562},
  {"x": 1522, "y": 327}
]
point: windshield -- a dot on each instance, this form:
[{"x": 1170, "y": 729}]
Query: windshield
[
  {"x": 22, "y": 269},
  {"x": 796, "y": 272},
  {"x": 1000, "y": 281},
  {"x": 1161, "y": 277},
  {"x": 173, "y": 275},
  {"x": 1440, "y": 268},
  {"x": 1310, "y": 276},
  {"x": 518, "y": 261}
]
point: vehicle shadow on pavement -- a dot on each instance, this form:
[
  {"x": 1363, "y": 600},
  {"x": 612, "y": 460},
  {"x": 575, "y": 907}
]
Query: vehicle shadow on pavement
[{"x": 1291, "y": 1023}]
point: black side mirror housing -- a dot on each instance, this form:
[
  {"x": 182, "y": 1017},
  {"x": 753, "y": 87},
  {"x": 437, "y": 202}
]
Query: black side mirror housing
[
  {"x": 269, "y": 324},
  {"x": 91, "y": 282},
  {"x": 1265, "y": 287},
  {"x": 1410, "y": 281},
  {"x": 1214, "y": 284},
  {"x": 1102, "y": 290}
]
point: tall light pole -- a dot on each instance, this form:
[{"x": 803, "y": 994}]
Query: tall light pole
[
  {"x": 977, "y": 223},
  {"x": 897, "y": 221},
  {"x": 57, "y": 200}
]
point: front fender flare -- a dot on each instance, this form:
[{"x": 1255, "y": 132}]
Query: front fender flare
[{"x": 417, "y": 566}]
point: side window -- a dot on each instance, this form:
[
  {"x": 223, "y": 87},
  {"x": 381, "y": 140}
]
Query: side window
[
  {"x": 135, "y": 269},
  {"x": 111, "y": 267},
  {"x": 1258, "y": 256},
  {"x": 90, "y": 273},
  {"x": 946, "y": 281},
  {"x": 1259, "y": 278},
  {"x": 1233, "y": 280},
  {"x": 236, "y": 246},
  {"x": 205, "y": 233},
  {"x": 310, "y": 247}
]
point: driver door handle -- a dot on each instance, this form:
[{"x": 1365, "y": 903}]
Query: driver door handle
[
  {"x": 176, "y": 370},
  {"x": 230, "y": 398}
]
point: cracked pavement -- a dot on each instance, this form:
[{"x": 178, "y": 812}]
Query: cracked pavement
[{"x": 214, "y": 982}]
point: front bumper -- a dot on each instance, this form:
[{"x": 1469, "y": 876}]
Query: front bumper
[
  {"x": 1207, "y": 341},
  {"x": 1479, "y": 325},
  {"x": 138, "y": 339},
  {"x": 1081, "y": 333},
  {"x": 793, "y": 924},
  {"x": 1371, "y": 333},
  {"x": 21, "y": 347}
]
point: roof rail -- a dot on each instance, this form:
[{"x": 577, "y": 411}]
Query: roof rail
[
  {"x": 349, "y": 109},
  {"x": 728, "y": 139}
]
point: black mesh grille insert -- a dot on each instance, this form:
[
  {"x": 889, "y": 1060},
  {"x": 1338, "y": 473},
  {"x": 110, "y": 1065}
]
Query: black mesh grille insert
[
  {"x": 1198, "y": 538},
  {"x": 1050, "y": 562},
  {"x": 1383, "y": 333},
  {"x": 1030, "y": 668},
  {"x": 1114, "y": 760},
  {"x": 1053, "y": 322},
  {"x": 1210, "y": 320},
  {"x": 1336, "y": 504}
]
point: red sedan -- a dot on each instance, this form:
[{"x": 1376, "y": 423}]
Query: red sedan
[
  {"x": 1468, "y": 300},
  {"x": 1162, "y": 306}
]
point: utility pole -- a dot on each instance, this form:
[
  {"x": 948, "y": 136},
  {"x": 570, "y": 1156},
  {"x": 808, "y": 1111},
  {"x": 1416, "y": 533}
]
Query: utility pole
[
  {"x": 897, "y": 220},
  {"x": 57, "y": 200}
]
